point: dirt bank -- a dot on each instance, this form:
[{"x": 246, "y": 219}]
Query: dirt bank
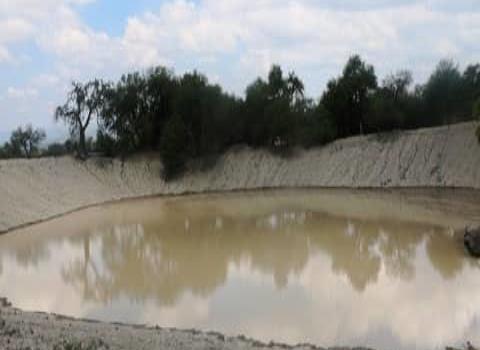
[
  {"x": 21, "y": 330},
  {"x": 34, "y": 190}
]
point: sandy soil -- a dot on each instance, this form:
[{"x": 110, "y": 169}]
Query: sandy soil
[
  {"x": 21, "y": 330},
  {"x": 34, "y": 190}
]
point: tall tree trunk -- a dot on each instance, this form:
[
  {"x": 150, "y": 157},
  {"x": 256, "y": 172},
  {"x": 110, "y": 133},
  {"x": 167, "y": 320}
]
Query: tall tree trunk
[
  {"x": 25, "y": 149},
  {"x": 82, "y": 148}
]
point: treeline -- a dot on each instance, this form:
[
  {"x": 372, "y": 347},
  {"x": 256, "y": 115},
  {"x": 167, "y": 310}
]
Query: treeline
[
  {"x": 186, "y": 117},
  {"x": 24, "y": 143}
]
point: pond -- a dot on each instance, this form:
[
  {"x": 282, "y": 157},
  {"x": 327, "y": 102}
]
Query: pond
[{"x": 384, "y": 269}]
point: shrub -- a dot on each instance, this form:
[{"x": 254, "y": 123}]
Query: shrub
[
  {"x": 24, "y": 142},
  {"x": 174, "y": 146},
  {"x": 476, "y": 115},
  {"x": 318, "y": 128},
  {"x": 56, "y": 150},
  {"x": 106, "y": 144},
  {"x": 9, "y": 151},
  {"x": 476, "y": 109}
]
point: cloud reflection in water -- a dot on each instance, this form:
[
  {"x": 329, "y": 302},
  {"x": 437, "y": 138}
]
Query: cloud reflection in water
[{"x": 268, "y": 267}]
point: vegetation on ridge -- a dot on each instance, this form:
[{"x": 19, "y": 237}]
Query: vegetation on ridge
[
  {"x": 24, "y": 142},
  {"x": 186, "y": 117}
]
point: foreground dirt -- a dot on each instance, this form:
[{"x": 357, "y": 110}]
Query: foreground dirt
[
  {"x": 21, "y": 330},
  {"x": 35, "y": 190}
]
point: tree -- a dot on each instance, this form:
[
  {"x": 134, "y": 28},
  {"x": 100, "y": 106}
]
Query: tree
[
  {"x": 208, "y": 114},
  {"x": 3, "y": 152},
  {"x": 195, "y": 105},
  {"x": 359, "y": 81},
  {"x": 125, "y": 114},
  {"x": 476, "y": 115},
  {"x": 290, "y": 88},
  {"x": 390, "y": 102},
  {"x": 174, "y": 147},
  {"x": 187, "y": 117},
  {"x": 84, "y": 102},
  {"x": 476, "y": 110},
  {"x": 273, "y": 108},
  {"x": 396, "y": 85},
  {"x": 56, "y": 150},
  {"x": 105, "y": 144},
  {"x": 25, "y": 142},
  {"x": 442, "y": 94},
  {"x": 161, "y": 87},
  {"x": 317, "y": 127},
  {"x": 471, "y": 85},
  {"x": 348, "y": 97},
  {"x": 257, "y": 98},
  {"x": 10, "y": 151}
]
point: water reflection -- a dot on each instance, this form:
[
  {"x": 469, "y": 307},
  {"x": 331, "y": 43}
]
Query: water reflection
[
  {"x": 165, "y": 259},
  {"x": 270, "y": 266}
]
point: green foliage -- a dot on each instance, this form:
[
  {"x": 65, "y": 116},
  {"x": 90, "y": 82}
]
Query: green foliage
[
  {"x": 135, "y": 111},
  {"x": 384, "y": 114},
  {"x": 476, "y": 115},
  {"x": 106, "y": 144},
  {"x": 186, "y": 117},
  {"x": 175, "y": 147},
  {"x": 125, "y": 115},
  {"x": 442, "y": 95},
  {"x": 273, "y": 108},
  {"x": 55, "y": 150},
  {"x": 348, "y": 97},
  {"x": 137, "y": 108},
  {"x": 395, "y": 86},
  {"x": 390, "y": 103},
  {"x": 471, "y": 86},
  {"x": 7, "y": 151},
  {"x": 317, "y": 127},
  {"x": 324, "y": 127},
  {"x": 198, "y": 105},
  {"x": 3, "y": 153},
  {"x": 84, "y": 102},
  {"x": 24, "y": 142},
  {"x": 476, "y": 110}
]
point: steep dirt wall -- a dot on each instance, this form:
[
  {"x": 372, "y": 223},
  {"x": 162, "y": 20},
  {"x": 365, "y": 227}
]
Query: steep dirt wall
[{"x": 34, "y": 190}]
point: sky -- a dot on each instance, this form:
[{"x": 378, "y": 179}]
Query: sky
[{"x": 45, "y": 44}]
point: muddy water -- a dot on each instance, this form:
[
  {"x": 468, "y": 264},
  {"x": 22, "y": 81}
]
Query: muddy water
[{"x": 331, "y": 267}]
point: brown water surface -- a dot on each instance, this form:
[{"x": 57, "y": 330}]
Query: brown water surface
[{"x": 384, "y": 269}]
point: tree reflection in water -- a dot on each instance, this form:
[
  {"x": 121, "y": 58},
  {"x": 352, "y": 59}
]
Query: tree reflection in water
[
  {"x": 183, "y": 252},
  {"x": 255, "y": 264}
]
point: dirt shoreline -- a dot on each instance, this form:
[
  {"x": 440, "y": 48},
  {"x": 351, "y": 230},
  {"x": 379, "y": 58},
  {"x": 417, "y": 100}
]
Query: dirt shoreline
[
  {"x": 219, "y": 192},
  {"x": 32, "y": 191},
  {"x": 21, "y": 330}
]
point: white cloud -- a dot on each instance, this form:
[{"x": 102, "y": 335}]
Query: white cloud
[
  {"x": 236, "y": 41},
  {"x": 19, "y": 93},
  {"x": 35, "y": 9},
  {"x": 301, "y": 33},
  {"x": 5, "y": 55},
  {"x": 46, "y": 80},
  {"x": 297, "y": 34},
  {"x": 14, "y": 29}
]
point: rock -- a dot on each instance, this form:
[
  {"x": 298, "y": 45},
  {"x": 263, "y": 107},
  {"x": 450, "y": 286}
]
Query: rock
[{"x": 472, "y": 241}]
